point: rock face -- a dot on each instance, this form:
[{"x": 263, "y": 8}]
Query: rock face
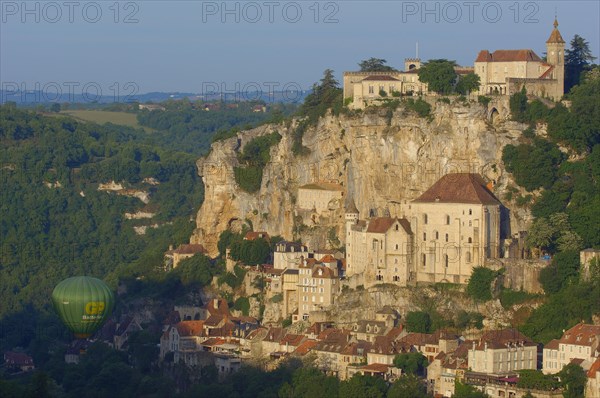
[{"x": 381, "y": 158}]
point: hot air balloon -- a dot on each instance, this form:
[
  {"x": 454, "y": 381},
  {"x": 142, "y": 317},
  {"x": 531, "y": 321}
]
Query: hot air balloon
[{"x": 83, "y": 303}]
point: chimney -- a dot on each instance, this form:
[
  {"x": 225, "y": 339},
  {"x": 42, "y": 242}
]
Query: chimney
[
  {"x": 216, "y": 303},
  {"x": 170, "y": 247}
]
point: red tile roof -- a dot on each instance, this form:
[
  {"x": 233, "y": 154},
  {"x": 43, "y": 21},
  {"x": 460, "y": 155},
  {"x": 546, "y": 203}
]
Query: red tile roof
[
  {"x": 190, "y": 249},
  {"x": 253, "y": 235},
  {"x": 305, "y": 347},
  {"x": 292, "y": 339},
  {"x": 190, "y": 328},
  {"x": 496, "y": 339},
  {"x": 18, "y": 358},
  {"x": 552, "y": 345},
  {"x": 594, "y": 369},
  {"x": 376, "y": 368},
  {"x": 381, "y": 225},
  {"x": 508, "y": 56},
  {"x": 581, "y": 334},
  {"x": 323, "y": 272},
  {"x": 459, "y": 188}
]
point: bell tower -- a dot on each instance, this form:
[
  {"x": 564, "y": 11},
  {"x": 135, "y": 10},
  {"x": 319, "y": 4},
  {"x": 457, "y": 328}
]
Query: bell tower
[{"x": 555, "y": 50}]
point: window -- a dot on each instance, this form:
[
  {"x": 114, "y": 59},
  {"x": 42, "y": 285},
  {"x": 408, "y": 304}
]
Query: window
[
  {"x": 446, "y": 237},
  {"x": 470, "y": 223},
  {"x": 470, "y": 240},
  {"x": 396, "y": 246},
  {"x": 397, "y": 227},
  {"x": 446, "y": 260},
  {"x": 424, "y": 218},
  {"x": 470, "y": 212},
  {"x": 437, "y": 235},
  {"x": 468, "y": 256},
  {"x": 447, "y": 220},
  {"x": 423, "y": 259},
  {"x": 424, "y": 236}
]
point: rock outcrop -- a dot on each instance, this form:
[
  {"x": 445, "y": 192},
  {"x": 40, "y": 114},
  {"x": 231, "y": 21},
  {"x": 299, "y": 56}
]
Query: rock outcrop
[{"x": 382, "y": 158}]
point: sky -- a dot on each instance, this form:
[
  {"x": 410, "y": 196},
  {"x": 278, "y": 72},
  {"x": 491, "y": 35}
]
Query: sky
[{"x": 195, "y": 46}]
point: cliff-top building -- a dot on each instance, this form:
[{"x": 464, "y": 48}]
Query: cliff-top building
[
  {"x": 502, "y": 72},
  {"x": 441, "y": 236}
]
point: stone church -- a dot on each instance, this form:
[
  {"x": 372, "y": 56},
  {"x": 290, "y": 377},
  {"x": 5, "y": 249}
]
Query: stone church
[{"x": 441, "y": 236}]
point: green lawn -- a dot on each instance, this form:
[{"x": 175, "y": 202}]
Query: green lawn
[{"x": 101, "y": 117}]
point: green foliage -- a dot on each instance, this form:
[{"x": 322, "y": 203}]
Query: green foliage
[
  {"x": 509, "y": 297},
  {"x": 468, "y": 83},
  {"x": 308, "y": 382},
  {"x": 554, "y": 233},
  {"x": 234, "y": 280},
  {"x": 253, "y": 158},
  {"x": 562, "y": 270},
  {"x": 251, "y": 252},
  {"x": 536, "y": 380},
  {"x": 466, "y": 319},
  {"x": 439, "y": 74},
  {"x": 360, "y": 386},
  {"x": 467, "y": 391},
  {"x": 533, "y": 166},
  {"x": 561, "y": 311},
  {"x": 418, "y": 321},
  {"x": 186, "y": 127},
  {"x": 375, "y": 65},
  {"x": 50, "y": 233},
  {"x": 407, "y": 386},
  {"x": 518, "y": 105},
  {"x": 198, "y": 269},
  {"x": 324, "y": 96},
  {"x": 479, "y": 286},
  {"x": 573, "y": 379},
  {"x": 242, "y": 304},
  {"x": 420, "y": 107},
  {"x": 578, "y": 59},
  {"x": 412, "y": 363},
  {"x": 278, "y": 298},
  {"x": 483, "y": 100}
]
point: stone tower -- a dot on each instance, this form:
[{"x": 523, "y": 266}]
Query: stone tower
[
  {"x": 555, "y": 50},
  {"x": 411, "y": 63}
]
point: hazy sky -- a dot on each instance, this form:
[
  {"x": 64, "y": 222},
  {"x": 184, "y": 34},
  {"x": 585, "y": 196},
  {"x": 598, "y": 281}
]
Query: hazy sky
[{"x": 188, "y": 45}]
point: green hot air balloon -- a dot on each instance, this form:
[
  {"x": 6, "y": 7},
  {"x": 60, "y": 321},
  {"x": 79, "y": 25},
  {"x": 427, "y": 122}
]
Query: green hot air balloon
[{"x": 83, "y": 303}]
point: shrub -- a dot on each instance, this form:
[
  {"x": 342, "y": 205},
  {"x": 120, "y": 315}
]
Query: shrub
[
  {"x": 420, "y": 107},
  {"x": 479, "y": 286},
  {"x": 242, "y": 304},
  {"x": 418, "y": 321}
]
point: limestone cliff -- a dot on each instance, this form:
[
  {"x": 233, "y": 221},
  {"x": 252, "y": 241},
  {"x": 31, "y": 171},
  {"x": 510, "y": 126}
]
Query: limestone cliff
[{"x": 381, "y": 157}]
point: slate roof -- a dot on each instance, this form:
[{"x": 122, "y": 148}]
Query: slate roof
[{"x": 459, "y": 188}]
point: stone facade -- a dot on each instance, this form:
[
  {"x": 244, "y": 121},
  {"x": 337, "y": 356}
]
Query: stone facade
[
  {"x": 581, "y": 342},
  {"x": 502, "y": 351},
  {"x": 320, "y": 197},
  {"x": 451, "y": 228}
]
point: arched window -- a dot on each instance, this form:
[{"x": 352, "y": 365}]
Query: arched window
[
  {"x": 446, "y": 237},
  {"x": 470, "y": 240}
]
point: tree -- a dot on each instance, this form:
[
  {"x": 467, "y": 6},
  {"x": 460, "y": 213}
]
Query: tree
[
  {"x": 55, "y": 107},
  {"x": 375, "y": 65},
  {"x": 573, "y": 378},
  {"x": 518, "y": 105},
  {"x": 418, "y": 321},
  {"x": 467, "y": 391},
  {"x": 540, "y": 234},
  {"x": 468, "y": 83},
  {"x": 412, "y": 363},
  {"x": 439, "y": 74},
  {"x": 360, "y": 386},
  {"x": 407, "y": 386},
  {"x": 479, "y": 286},
  {"x": 578, "y": 59}
]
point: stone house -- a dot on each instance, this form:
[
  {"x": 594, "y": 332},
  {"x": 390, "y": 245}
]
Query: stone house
[
  {"x": 320, "y": 197},
  {"x": 507, "y": 71},
  {"x": 317, "y": 287},
  {"x": 502, "y": 351},
  {"x": 582, "y": 341}
]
